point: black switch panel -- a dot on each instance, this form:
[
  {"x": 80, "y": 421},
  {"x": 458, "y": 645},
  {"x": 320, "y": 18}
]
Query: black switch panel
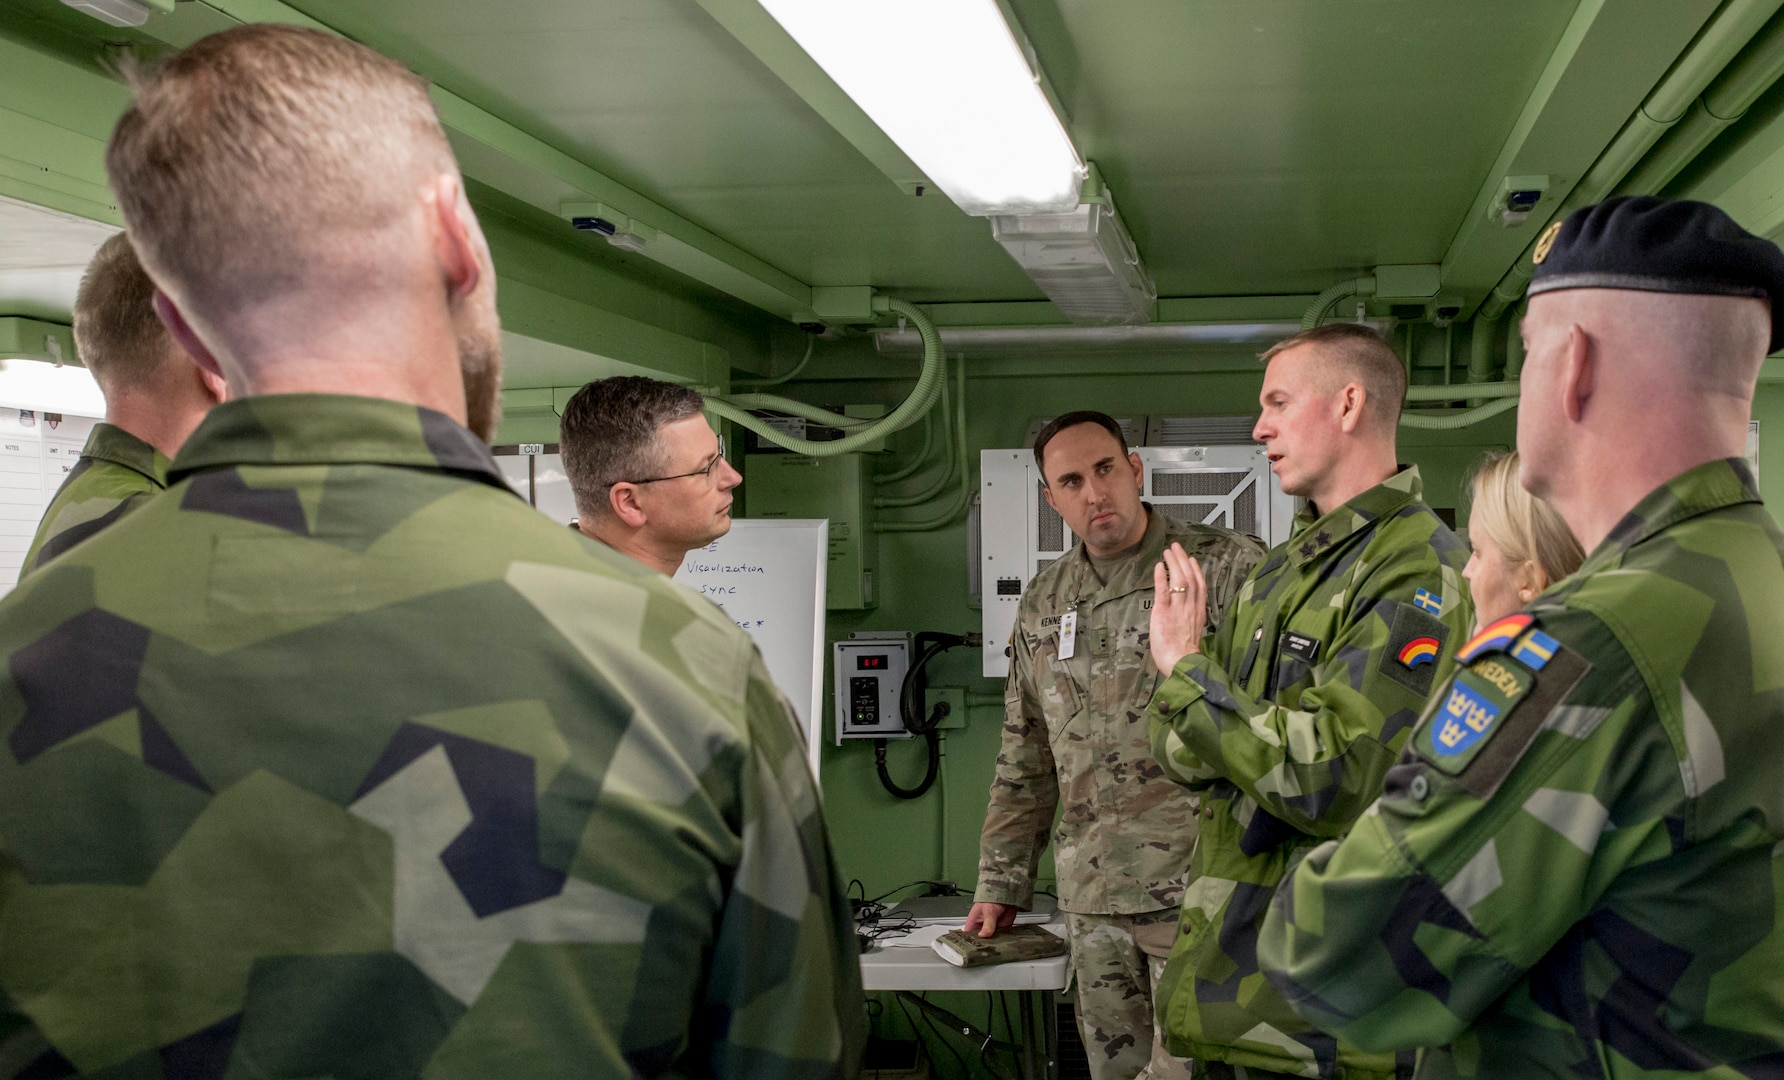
[{"x": 864, "y": 701}]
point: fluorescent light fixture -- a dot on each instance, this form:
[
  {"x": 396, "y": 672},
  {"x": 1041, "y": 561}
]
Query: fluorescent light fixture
[
  {"x": 946, "y": 81},
  {"x": 34, "y": 384},
  {"x": 121, "y": 12}
]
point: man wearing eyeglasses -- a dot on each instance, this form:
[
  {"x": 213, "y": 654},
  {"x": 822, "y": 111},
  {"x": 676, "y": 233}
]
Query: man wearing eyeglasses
[{"x": 649, "y": 475}]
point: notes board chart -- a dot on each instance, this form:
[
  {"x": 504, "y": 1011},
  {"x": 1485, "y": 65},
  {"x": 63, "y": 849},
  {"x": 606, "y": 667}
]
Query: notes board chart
[
  {"x": 37, "y": 450},
  {"x": 768, "y": 576}
]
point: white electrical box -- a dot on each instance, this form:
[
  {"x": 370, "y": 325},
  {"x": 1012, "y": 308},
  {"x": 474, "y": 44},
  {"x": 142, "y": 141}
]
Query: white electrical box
[
  {"x": 869, "y": 672},
  {"x": 1230, "y": 486}
]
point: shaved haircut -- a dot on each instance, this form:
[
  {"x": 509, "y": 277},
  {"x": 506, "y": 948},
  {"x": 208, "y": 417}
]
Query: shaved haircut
[
  {"x": 1706, "y": 344},
  {"x": 1352, "y": 352},
  {"x": 116, "y": 331},
  {"x": 265, "y": 155}
]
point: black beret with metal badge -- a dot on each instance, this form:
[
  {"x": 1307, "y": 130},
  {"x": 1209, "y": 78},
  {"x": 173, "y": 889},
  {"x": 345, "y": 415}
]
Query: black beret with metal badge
[{"x": 1651, "y": 244}]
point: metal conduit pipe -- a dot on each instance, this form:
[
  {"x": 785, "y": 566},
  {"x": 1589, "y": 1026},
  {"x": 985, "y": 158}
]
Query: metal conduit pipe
[
  {"x": 940, "y": 483},
  {"x": 1360, "y": 286},
  {"x": 915, "y": 464},
  {"x": 1726, "y": 100},
  {"x": 963, "y": 497},
  {"x": 1709, "y": 53},
  {"x": 1450, "y": 421},
  {"x": 921, "y": 398},
  {"x": 1483, "y": 333},
  {"x": 1480, "y": 348}
]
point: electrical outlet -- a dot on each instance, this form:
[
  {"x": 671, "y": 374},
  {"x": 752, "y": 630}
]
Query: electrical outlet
[{"x": 955, "y": 696}]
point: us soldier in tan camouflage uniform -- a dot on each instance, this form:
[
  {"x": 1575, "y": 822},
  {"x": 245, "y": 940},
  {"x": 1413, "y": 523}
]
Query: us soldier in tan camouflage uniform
[{"x": 1075, "y": 729}]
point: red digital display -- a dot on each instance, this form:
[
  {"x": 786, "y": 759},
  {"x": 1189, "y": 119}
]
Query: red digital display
[{"x": 871, "y": 663}]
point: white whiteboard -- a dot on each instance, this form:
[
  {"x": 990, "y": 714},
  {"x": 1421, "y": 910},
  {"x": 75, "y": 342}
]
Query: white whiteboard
[{"x": 768, "y": 576}]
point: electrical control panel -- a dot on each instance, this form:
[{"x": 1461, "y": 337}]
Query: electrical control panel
[{"x": 869, "y": 672}]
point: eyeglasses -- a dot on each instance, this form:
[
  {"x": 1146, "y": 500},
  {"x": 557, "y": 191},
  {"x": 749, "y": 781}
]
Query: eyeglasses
[{"x": 704, "y": 470}]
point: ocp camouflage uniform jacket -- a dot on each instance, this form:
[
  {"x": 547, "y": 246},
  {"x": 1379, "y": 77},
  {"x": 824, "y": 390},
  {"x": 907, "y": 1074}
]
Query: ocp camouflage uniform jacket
[
  {"x": 1075, "y": 729},
  {"x": 1286, "y": 725},
  {"x": 1575, "y": 870},
  {"x": 116, "y": 474},
  {"x": 339, "y": 759}
]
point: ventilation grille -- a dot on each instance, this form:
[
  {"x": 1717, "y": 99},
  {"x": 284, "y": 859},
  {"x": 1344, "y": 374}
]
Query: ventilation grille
[
  {"x": 1200, "y": 430},
  {"x": 1133, "y": 429},
  {"x": 1245, "y": 512},
  {"x": 1166, "y": 483},
  {"x": 1042, "y": 564},
  {"x": 1050, "y": 531},
  {"x": 1196, "y": 513}
]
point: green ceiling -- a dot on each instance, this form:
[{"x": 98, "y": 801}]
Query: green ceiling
[
  {"x": 1262, "y": 146},
  {"x": 1256, "y": 147}
]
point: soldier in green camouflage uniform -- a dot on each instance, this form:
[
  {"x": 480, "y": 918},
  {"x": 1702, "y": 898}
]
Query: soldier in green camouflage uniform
[
  {"x": 1575, "y": 870},
  {"x": 1285, "y": 723},
  {"x": 116, "y": 474},
  {"x": 154, "y": 396},
  {"x": 337, "y": 759},
  {"x": 1075, "y": 733}
]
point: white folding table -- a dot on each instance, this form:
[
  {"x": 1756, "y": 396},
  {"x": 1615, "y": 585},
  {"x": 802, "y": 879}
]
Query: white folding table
[{"x": 914, "y": 970}]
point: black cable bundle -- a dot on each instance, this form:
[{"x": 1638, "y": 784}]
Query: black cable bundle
[{"x": 929, "y": 645}]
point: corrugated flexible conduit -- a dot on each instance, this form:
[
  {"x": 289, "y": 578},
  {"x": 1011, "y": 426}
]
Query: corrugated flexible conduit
[
  {"x": 916, "y": 463},
  {"x": 1450, "y": 421},
  {"x": 1712, "y": 52},
  {"x": 964, "y": 495},
  {"x": 1360, "y": 286},
  {"x": 811, "y": 345},
  {"x": 908, "y": 412},
  {"x": 942, "y": 480}
]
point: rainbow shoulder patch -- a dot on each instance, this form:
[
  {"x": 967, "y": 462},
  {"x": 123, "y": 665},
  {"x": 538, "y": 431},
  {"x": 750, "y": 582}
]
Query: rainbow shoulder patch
[
  {"x": 1420, "y": 651},
  {"x": 1415, "y": 641},
  {"x": 1495, "y": 638}
]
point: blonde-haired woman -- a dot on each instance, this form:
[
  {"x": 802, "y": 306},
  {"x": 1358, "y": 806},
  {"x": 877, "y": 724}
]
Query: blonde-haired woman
[{"x": 1521, "y": 545}]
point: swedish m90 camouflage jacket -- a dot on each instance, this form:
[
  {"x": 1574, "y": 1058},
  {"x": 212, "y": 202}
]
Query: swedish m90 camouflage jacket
[
  {"x": 116, "y": 474},
  {"x": 1576, "y": 867},
  {"x": 339, "y": 759},
  {"x": 1287, "y": 724},
  {"x": 1075, "y": 729}
]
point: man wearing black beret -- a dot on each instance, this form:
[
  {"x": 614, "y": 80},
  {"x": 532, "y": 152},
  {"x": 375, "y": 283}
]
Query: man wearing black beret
[{"x": 1576, "y": 868}]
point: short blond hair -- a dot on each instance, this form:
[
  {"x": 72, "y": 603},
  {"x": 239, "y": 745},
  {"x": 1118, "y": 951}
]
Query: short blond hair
[
  {"x": 1358, "y": 354},
  {"x": 260, "y": 154},
  {"x": 1525, "y": 528},
  {"x": 116, "y": 331}
]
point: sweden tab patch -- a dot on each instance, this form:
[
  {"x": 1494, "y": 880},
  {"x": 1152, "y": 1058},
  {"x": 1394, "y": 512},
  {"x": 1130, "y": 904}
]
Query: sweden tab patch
[{"x": 1428, "y": 601}]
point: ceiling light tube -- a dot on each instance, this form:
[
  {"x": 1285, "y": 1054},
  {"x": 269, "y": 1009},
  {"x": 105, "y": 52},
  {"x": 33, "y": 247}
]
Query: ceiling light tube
[
  {"x": 121, "y": 12},
  {"x": 946, "y": 81}
]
